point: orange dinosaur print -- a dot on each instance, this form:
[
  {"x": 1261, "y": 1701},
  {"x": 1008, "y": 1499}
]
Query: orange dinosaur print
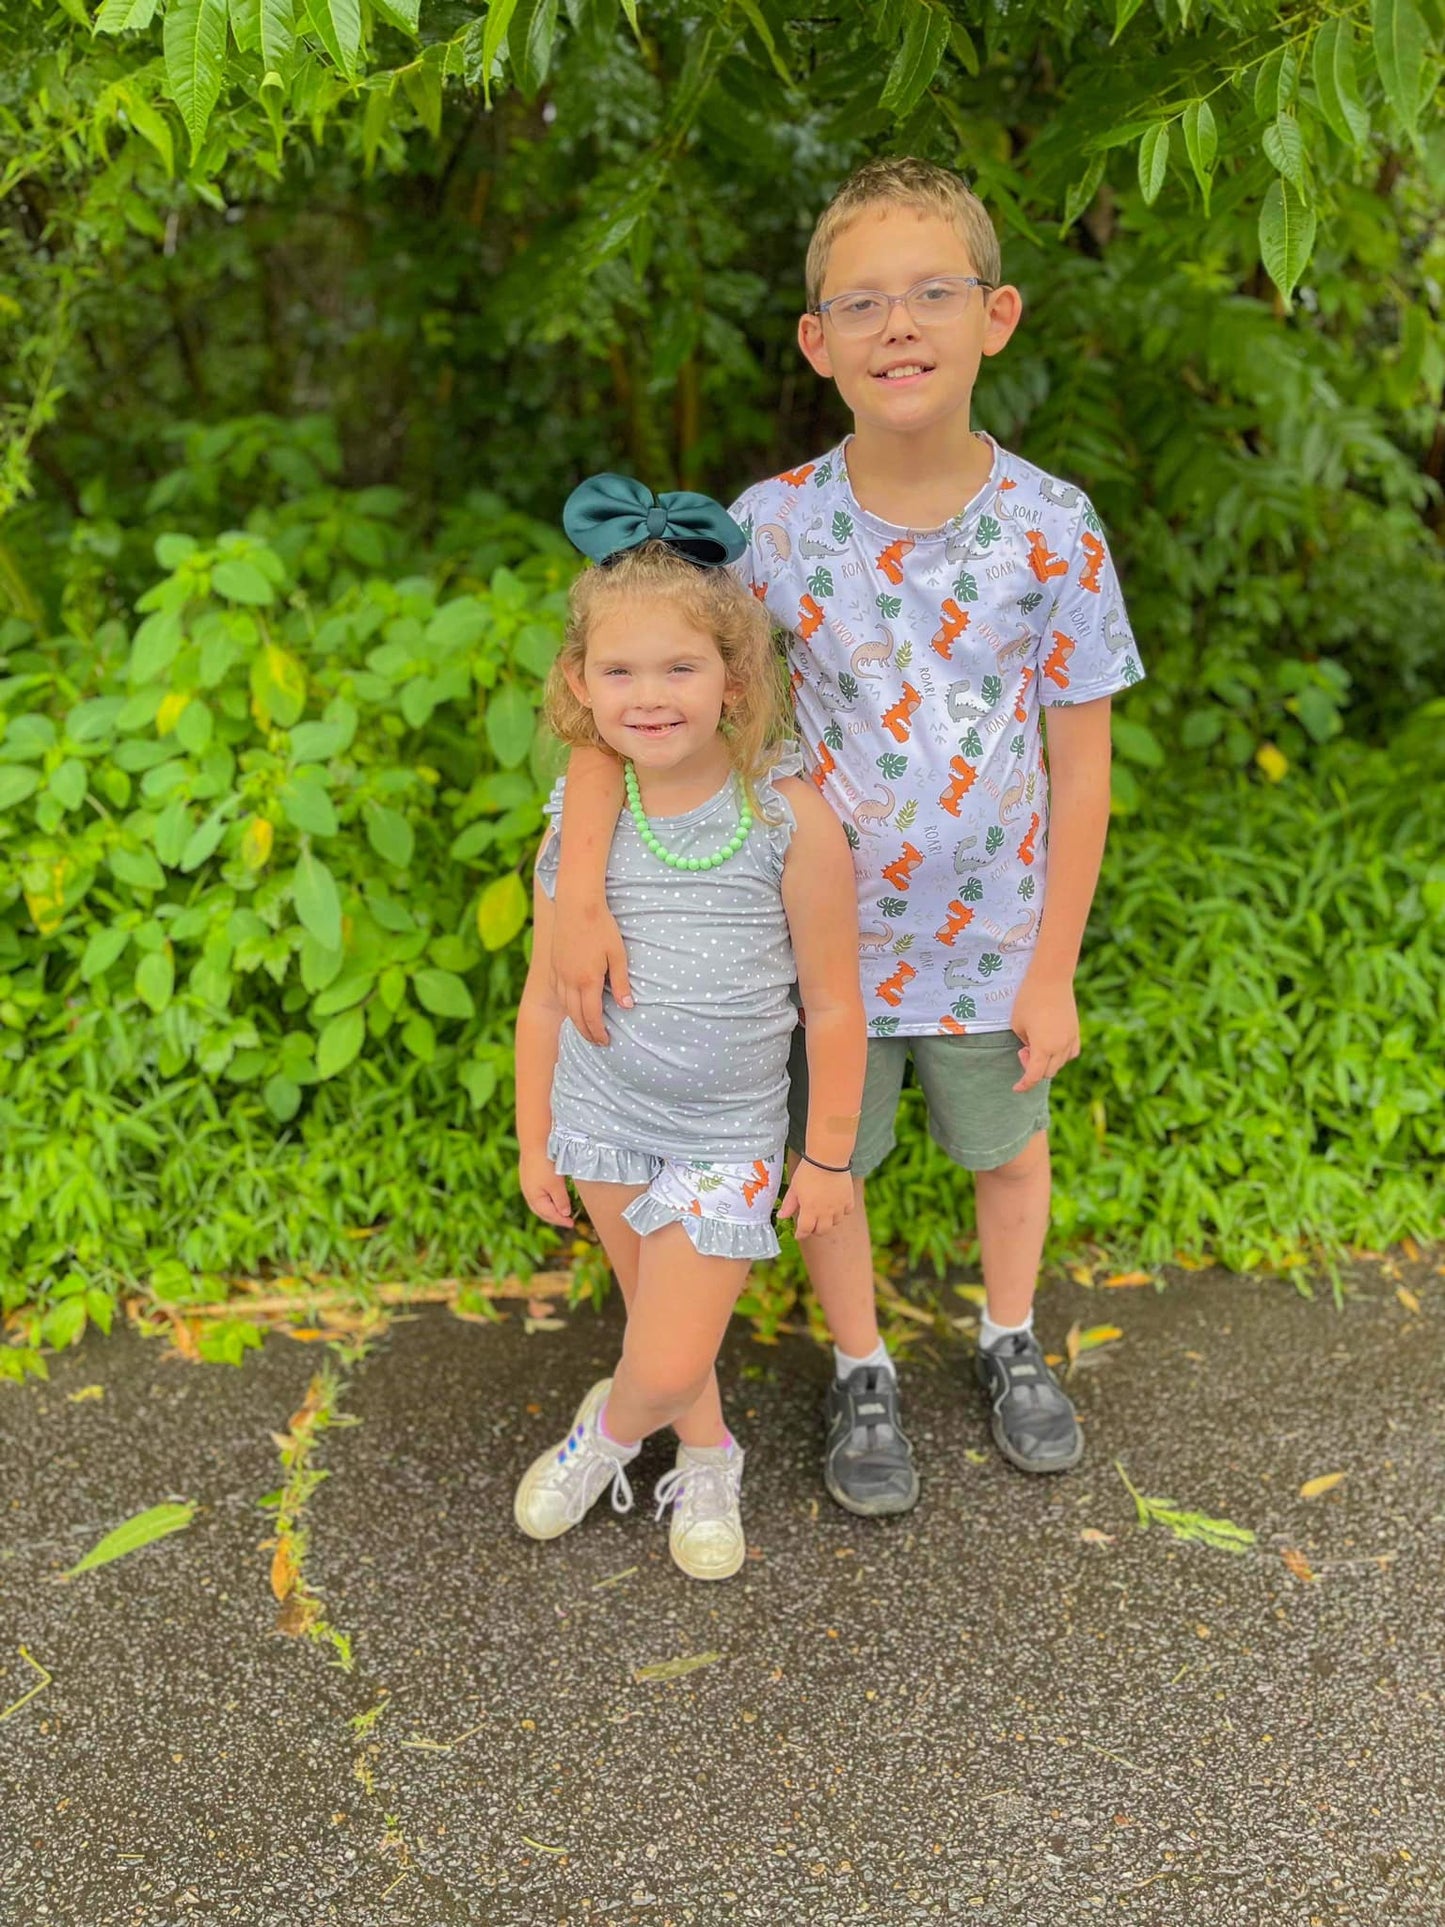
[
  {"x": 760, "y": 590},
  {"x": 891, "y": 560},
  {"x": 891, "y": 988},
  {"x": 825, "y": 765},
  {"x": 1089, "y": 576},
  {"x": 964, "y": 778},
  {"x": 901, "y": 869},
  {"x": 1059, "y": 655},
  {"x": 955, "y": 621},
  {"x": 1042, "y": 559},
  {"x": 895, "y": 720},
  {"x": 948, "y": 1022},
  {"x": 795, "y": 680},
  {"x": 754, "y": 1187},
  {"x": 1021, "y": 715},
  {"x": 959, "y": 918},
  {"x": 695, "y": 1208},
  {"x": 1006, "y": 483},
  {"x": 795, "y": 477},
  {"x": 1026, "y": 848},
  {"x": 810, "y": 618}
]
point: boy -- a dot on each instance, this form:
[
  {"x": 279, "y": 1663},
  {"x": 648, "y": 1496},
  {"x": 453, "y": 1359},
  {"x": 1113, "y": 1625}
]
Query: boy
[{"x": 939, "y": 595}]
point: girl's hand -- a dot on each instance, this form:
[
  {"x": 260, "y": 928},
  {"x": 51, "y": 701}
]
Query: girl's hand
[
  {"x": 543, "y": 1189},
  {"x": 817, "y": 1200},
  {"x": 588, "y": 952}
]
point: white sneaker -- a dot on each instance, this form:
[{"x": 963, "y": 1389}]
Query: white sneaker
[
  {"x": 706, "y": 1536},
  {"x": 558, "y": 1488}
]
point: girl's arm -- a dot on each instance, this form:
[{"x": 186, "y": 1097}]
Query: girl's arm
[
  {"x": 539, "y": 1024},
  {"x": 1044, "y": 1013},
  {"x": 820, "y": 898},
  {"x": 586, "y": 947}
]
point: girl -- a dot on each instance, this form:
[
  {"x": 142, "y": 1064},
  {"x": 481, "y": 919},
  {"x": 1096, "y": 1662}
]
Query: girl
[{"x": 730, "y": 877}]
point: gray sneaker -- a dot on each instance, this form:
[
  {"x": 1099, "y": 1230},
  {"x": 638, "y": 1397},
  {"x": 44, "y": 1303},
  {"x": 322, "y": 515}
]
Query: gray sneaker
[
  {"x": 867, "y": 1460},
  {"x": 1032, "y": 1420}
]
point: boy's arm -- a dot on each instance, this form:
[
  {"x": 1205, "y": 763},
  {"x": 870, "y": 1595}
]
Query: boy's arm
[
  {"x": 539, "y": 1023},
  {"x": 586, "y": 947},
  {"x": 820, "y": 897},
  {"x": 1044, "y": 1014}
]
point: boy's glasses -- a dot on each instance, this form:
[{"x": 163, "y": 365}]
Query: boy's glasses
[{"x": 865, "y": 311}]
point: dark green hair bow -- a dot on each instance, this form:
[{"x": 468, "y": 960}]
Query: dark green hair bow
[{"x": 609, "y": 513}]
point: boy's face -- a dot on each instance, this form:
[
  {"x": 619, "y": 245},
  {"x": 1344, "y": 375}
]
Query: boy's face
[{"x": 911, "y": 376}]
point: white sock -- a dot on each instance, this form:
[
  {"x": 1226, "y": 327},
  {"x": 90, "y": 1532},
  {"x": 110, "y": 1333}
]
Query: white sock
[
  {"x": 845, "y": 1365},
  {"x": 990, "y": 1334}
]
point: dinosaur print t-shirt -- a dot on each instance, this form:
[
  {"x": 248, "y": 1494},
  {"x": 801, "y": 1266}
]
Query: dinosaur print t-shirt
[{"x": 920, "y": 660}]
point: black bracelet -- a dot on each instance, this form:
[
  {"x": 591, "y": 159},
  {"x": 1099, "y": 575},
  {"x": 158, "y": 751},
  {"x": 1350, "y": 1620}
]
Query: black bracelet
[{"x": 835, "y": 1170}]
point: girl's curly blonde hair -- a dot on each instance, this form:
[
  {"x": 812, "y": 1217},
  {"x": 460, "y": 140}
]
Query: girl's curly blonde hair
[{"x": 712, "y": 600}]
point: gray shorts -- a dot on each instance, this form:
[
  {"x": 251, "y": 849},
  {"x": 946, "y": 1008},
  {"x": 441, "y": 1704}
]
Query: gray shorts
[{"x": 975, "y": 1116}]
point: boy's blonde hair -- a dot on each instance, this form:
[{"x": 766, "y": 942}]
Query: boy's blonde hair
[
  {"x": 904, "y": 182},
  {"x": 712, "y": 600}
]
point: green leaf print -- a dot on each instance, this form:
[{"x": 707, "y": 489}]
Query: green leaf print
[
  {"x": 1026, "y": 889},
  {"x": 902, "y": 945},
  {"x": 965, "y": 589},
  {"x": 988, "y": 531},
  {"x": 1028, "y": 603},
  {"x": 1091, "y": 521},
  {"x": 892, "y": 906},
  {"x": 747, "y": 526},
  {"x": 904, "y": 818},
  {"x": 1016, "y": 747},
  {"x": 705, "y": 1181},
  {"x": 972, "y": 891},
  {"x": 990, "y": 963},
  {"x": 885, "y": 1026},
  {"x": 903, "y": 655},
  {"x": 842, "y": 526},
  {"x": 833, "y": 737},
  {"x": 972, "y": 745},
  {"x": 993, "y": 842},
  {"x": 964, "y": 1009},
  {"x": 992, "y": 689},
  {"x": 888, "y": 606},
  {"x": 822, "y": 475},
  {"x": 1132, "y": 672},
  {"x": 852, "y": 835},
  {"x": 892, "y": 765},
  {"x": 847, "y": 688},
  {"x": 820, "y": 582}
]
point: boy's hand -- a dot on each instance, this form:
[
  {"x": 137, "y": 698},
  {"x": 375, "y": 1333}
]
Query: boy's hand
[
  {"x": 543, "y": 1189},
  {"x": 1047, "y": 1022},
  {"x": 588, "y": 952},
  {"x": 817, "y": 1200}
]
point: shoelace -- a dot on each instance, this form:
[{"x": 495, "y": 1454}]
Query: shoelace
[
  {"x": 586, "y": 1449},
  {"x": 714, "y": 1486}
]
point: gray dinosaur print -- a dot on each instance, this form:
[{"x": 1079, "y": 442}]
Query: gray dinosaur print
[
  {"x": 962, "y": 702},
  {"x": 1061, "y": 494},
  {"x": 962, "y": 861}
]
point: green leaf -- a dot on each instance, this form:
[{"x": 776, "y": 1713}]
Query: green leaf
[
  {"x": 419, "y": 1036},
  {"x": 401, "y": 13},
  {"x": 67, "y": 783},
  {"x": 422, "y": 84},
  {"x": 1137, "y": 743},
  {"x": 141, "y": 1530},
  {"x": 267, "y": 27},
  {"x": 1081, "y": 192},
  {"x": 390, "y": 835},
  {"x": 278, "y": 687},
  {"x": 925, "y": 40},
  {"x": 282, "y": 1098},
  {"x": 309, "y": 807},
  {"x": 501, "y": 911},
  {"x": 1284, "y": 149},
  {"x": 1402, "y": 47},
  {"x": 337, "y": 25},
  {"x": 511, "y": 724},
  {"x": 151, "y": 126},
  {"x": 125, "y": 16},
  {"x": 1124, "y": 11},
  {"x": 1153, "y": 161},
  {"x": 530, "y": 43},
  {"x": 172, "y": 548},
  {"x": 1286, "y": 237},
  {"x": 1201, "y": 143},
  {"x": 205, "y": 840},
  {"x": 757, "y": 20},
  {"x": 340, "y": 1043},
  {"x": 494, "y": 34},
  {"x": 16, "y": 783},
  {"x": 443, "y": 994},
  {"x": 239, "y": 580},
  {"x": 317, "y": 900},
  {"x": 195, "y": 52},
  {"x": 155, "y": 645},
  {"x": 1275, "y": 83},
  {"x": 138, "y": 868},
  {"x": 104, "y": 949},
  {"x": 155, "y": 979},
  {"x": 63, "y": 1324},
  {"x": 1337, "y": 82}
]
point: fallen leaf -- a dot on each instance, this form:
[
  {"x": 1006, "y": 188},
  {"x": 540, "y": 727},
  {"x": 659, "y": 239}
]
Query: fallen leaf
[
  {"x": 305, "y": 1334},
  {"x": 1082, "y": 1274},
  {"x": 975, "y": 1457},
  {"x": 530, "y": 1325},
  {"x": 539, "y": 1308},
  {"x": 1411, "y": 1250},
  {"x": 975, "y": 1294},
  {"x": 1095, "y": 1335},
  {"x": 85, "y": 1392},
  {"x": 1092, "y": 1536},
  {"x": 1297, "y": 1563},
  {"x": 283, "y": 1571},
  {"x": 1122, "y": 1278},
  {"x": 1071, "y": 1342},
  {"x": 141, "y": 1530},
  {"x": 1053, "y": 1358},
  {"x": 540, "y": 1845},
  {"x": 1313, "y": 1488},
  {"x": 675, "y": 1668},
  {"x": 295, "y": 1615},
  {"x": 1407, "y": 1298}
]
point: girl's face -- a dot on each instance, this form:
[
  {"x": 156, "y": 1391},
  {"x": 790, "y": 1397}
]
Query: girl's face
[{"x": 656, "y": 686}]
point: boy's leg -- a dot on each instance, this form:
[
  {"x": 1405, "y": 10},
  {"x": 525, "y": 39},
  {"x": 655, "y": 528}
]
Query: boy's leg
[
  {"x": 1013, "y": 1221},
  {"x": 702, "y": 1423},
  {"x": 867, "y": 1460}
]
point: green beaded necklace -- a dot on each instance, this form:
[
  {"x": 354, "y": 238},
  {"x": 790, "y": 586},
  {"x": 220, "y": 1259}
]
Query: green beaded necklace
[{"x": 669, "y": 857}]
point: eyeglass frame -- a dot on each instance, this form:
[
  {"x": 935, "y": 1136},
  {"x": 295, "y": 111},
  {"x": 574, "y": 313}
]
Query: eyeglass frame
[{"x": 963, "y": 280}]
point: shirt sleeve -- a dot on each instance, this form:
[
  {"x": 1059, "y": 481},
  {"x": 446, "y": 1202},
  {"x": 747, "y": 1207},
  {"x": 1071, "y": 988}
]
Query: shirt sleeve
[{"x": 1087, "y": 648}]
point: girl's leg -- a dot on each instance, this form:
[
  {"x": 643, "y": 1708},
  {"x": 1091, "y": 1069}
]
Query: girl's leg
[
  {"x": 675, "y": 1327},
  {"x": 702, "y": 1423}
]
